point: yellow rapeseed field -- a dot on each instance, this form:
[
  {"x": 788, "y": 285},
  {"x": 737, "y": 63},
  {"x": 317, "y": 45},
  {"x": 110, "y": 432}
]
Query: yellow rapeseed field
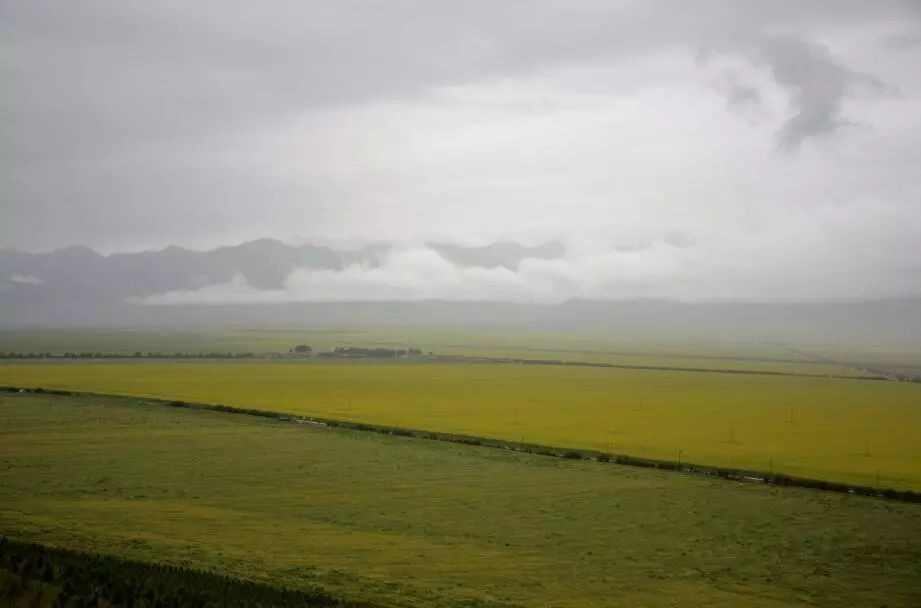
[{"x": 857, "y": 431}]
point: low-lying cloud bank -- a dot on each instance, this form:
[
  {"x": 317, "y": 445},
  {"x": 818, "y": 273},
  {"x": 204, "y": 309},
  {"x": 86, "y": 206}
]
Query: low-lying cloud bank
[
  {"x": 421, "y": 273},
  {"x": 672, "y": 266},
  {"x": 25, "y": 279}
]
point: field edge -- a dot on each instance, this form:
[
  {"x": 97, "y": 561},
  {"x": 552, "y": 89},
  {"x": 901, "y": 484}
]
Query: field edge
[{"x": 573, "y": 453}]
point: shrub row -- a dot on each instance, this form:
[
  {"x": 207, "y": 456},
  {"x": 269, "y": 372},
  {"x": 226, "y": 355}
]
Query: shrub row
[
  {"x": 36, "y": 574},
  {"x": 135, "y": 355},
  {"x": 706, "y": 370}
]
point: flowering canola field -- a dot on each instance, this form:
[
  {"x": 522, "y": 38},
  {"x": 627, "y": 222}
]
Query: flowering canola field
[{"x": 856, "y": 431}]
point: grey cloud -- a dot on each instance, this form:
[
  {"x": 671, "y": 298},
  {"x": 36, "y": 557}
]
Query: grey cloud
[
  {"x": 413, "y": 274},
  {"x": 739, "y": 94},
  {"x": 680, "y": 240},
  {"x": 903, "y": 41},
  {"x": 107, "y": 74},
  {"x": 131, "y": 125},
  {"x": 632, "y": 245},
  {"x": 505, "y": 254},
  {"x": 817, "y": 83},
  {"x": 25, "y": 279}
]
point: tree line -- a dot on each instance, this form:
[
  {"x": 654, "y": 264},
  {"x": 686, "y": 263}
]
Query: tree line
[
  {"x": 354, "y": 352},
  {"x": 134, "y": 355},
  {"x": 299, "y": 351},
  {"x": 35, "y": 575}
]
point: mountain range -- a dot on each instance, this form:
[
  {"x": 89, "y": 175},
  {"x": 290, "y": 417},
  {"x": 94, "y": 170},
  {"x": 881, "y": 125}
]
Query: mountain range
[{"x": 78, "y": 286}]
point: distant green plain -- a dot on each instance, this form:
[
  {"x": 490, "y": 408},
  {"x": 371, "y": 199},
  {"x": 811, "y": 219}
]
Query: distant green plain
[
  {"x": 483, "y": 342},
  {"x": 408, "y": 522},
  {"x": 857, "y": 431}
]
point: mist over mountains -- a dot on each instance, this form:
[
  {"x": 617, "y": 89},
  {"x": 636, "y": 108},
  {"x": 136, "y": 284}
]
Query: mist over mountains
[
  {"x": 746, "y": 169},
  {"x": 264, "y": 263},
  {"x": 76, "y": 286}
]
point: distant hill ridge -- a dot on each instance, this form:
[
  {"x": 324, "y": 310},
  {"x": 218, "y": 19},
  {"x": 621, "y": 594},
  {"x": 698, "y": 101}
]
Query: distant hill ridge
[
  {"x": 265, "y": 263},
  {"x": 78, "y": 286}
]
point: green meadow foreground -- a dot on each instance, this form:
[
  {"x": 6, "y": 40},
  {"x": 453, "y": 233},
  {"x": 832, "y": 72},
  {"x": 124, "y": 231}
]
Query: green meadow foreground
[
  {"x": 857, "y": 431},
  {"x": 405, "y": 522}
]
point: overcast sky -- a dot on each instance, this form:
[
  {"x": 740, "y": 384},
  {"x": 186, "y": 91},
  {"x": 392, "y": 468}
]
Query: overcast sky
[{"x": 695, "y": 149}]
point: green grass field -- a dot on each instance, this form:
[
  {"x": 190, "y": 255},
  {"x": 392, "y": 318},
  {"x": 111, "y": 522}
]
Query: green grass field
[
  {"x": 857, "y": 431},
  {"x": 445, "y": 341},
  {"x": 408, "y": 522}
]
